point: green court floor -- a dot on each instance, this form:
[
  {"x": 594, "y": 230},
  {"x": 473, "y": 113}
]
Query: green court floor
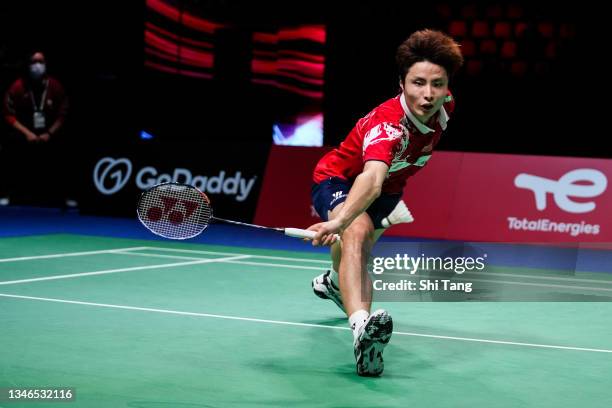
[{"x": 154, "y": 324}]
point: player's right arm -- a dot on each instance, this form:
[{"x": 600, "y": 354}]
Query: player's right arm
[{"x": 366, "y": 188}]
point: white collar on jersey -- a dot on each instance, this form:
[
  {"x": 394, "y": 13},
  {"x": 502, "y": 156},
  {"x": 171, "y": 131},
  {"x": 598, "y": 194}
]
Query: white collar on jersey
[{"x": 423, "y": 128}]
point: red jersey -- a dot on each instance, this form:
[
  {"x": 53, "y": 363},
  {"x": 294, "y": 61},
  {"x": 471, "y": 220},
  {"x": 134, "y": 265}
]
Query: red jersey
[{"x": 391, "y": 134}]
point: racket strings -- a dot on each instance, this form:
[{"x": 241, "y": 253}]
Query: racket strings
[{"x": 175, "y": 211}]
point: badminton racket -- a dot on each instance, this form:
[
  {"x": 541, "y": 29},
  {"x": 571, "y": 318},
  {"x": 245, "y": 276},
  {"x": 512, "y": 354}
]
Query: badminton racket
[{"x": 181, "y": 211}]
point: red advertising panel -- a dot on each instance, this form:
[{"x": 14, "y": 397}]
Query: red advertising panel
[
  {"x": 531, "y": 198},
  {"x": 469, "y": 196},
  {"x": 284, "y": 200}
]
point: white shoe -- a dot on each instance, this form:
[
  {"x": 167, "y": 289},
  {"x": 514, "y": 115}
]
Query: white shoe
[
  {"x": 4, "y": 201},
  {"x": 324, "y": 288},
  {"x": 370, "y": 342}
]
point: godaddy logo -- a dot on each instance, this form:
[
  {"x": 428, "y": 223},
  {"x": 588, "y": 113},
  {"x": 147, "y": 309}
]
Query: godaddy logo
[{"x": 111, "y": 175}]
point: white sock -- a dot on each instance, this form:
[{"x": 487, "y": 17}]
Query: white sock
[
  {"x": 334, "y": 277},
  {"x": 358, "y": 319}
]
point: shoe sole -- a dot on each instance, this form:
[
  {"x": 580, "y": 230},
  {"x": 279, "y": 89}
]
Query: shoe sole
[
  {"x": 322, "y": 293},
  {"x": 372, "y": 342}
]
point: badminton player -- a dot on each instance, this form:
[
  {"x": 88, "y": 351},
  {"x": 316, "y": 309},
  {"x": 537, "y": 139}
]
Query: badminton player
[{"x": 359, "y": 183}]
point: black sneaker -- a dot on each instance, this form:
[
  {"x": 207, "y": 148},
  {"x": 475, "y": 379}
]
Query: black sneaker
[
  {"x": 371, "y": 340},
  {"x": 324, "y": 288}
]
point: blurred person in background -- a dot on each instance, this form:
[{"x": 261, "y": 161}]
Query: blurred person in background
[{"x": 35, "y": 108}]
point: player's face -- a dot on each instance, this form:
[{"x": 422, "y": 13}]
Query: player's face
[{"x": 425, "y": 87}]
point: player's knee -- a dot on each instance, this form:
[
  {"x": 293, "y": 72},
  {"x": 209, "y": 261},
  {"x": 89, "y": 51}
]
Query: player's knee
[{"x": 360, "y": 234}]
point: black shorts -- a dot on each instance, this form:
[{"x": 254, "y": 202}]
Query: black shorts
[{"x": 333, "y": 191}]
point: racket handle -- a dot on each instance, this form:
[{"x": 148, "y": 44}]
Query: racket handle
[{"x": 302, "y": 233}]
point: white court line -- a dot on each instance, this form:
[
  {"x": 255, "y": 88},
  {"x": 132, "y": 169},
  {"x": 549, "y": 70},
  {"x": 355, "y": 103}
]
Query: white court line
[
  {"x": 280, "y": 322},
  {"x": 281, "y": 258},
  {"x": 316, "y": 268},
  {"x": 329, "y": 261},
  {"x": 105, "y": 251},
  {"x": 123, "y": 250},
  {"x": 193, "y": 258},
  {"x": 135, "y": 268},
  {"x": 544, "y": 285}
]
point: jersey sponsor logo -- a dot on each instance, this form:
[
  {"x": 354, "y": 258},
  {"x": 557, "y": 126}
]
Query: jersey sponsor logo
[
  {"x": 565, "y": 188},
  {"x": 110, "y": 175}
]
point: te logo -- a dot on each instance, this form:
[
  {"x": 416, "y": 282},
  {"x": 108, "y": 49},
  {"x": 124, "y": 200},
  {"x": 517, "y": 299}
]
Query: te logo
[{"x": 565, "y": 188}]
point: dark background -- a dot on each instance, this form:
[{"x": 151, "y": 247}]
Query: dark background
[{"x": 557, "y": 106}]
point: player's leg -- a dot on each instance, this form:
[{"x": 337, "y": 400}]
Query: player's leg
[
  {"x": 327, "y": 285},
  {"x": 336, "y": 250},
  {"x": 371, "y": 332},
  {"x": 328, "y": 197},
  {"x": 352, "y": 257},
  {"x": 325, "y": 197}
]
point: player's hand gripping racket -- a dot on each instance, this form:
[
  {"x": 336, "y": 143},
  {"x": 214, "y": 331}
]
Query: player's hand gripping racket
[{"x": 181, "y": 211}]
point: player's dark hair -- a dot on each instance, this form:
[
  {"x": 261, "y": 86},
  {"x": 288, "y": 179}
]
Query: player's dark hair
[{"x": 429, "y": 45}]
